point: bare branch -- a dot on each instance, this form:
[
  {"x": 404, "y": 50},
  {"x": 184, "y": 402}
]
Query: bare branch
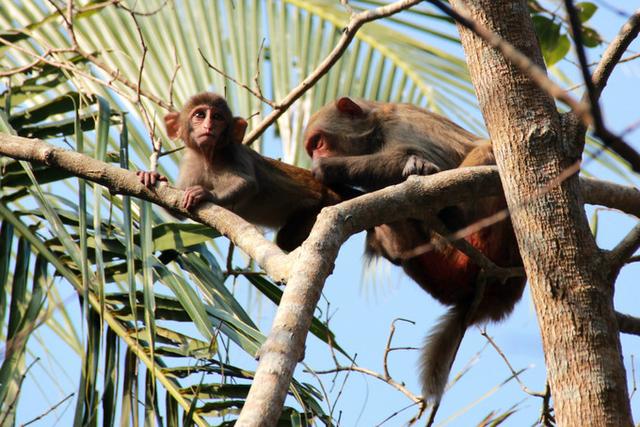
[
  {"x": 524, "y": 388},
  {"x": 354, "y": 24},
  {"x": 51, "y": 409},
  {"x": 119, "y": 3},
  {"x": 121, "y": 181},
  {"x": 576, "y": 31},
  {"x": 144, "y": 56},
  {"x": 353, "y": 368},
  {"x": 619, "y": 255},
  {"x": 388, "y": 347},
  {"x": 628, "y": 324},
  {"x": 10, "y": 407},
  {"x": 255, "y": 93},
  {"x": 307, "y": 267},
  {"x": 613, "y": 54},
  {"x": 538, "y": 75}
]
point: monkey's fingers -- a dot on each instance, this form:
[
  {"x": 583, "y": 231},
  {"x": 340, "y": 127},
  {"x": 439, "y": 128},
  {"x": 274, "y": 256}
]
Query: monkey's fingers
[
  {"x": 144, "y": 178},
  {"x": 417, "y": 165},
  {"x": 187, "y": 200},
  {"x": 192, "y": 197},
  {"x": 149, "y": 179},
  {"x": 317, "y": 170}
]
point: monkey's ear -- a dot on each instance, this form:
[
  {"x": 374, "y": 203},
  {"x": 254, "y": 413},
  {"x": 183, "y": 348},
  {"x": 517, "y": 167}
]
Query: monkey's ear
[
  {"x": 172, "y": 124},
  {"x": 239, "y": 127},
  {"x": 348, "y": 106}
]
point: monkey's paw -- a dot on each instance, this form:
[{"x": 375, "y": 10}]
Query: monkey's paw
[
  {"x": 149, "y": 179},
  {"x": 318, "y": 169},
  {"x": 417, "y": 165},
  {"x": 194, "y": 195}
]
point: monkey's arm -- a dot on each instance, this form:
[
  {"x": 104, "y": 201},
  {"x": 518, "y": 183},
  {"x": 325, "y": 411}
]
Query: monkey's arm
[
  {"x": 374, "y": 171},
  {"x": 234, "y": 188},
  {"x": 229, "y": 190}
]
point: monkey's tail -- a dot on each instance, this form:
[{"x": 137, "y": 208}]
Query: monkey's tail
[{"x": 439, "y": 351}]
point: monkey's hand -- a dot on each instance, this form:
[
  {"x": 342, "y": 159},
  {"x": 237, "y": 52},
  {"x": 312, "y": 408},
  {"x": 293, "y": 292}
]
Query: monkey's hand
[
  {"x": 418, "y": 165},
  {"x": 149, "y": 179},
  {"x": 328, "y": 170},
  {"x": 194, "y": 195}
]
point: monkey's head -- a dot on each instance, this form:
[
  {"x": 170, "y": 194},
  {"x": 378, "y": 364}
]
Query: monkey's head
[
  {"x": 205, "y": 123},
  {"x": 342, "y": 128}
]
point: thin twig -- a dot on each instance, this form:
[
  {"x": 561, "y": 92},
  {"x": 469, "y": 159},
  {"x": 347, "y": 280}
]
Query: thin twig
[
  {"x": 619, "y": 255},
  {"x": 538, "y": 75},
  {"x": 524, "y": 388},
  {"x": 387, "y": 348},
  {"x": 9, "y": 409},
  {"x": 51, "y": 409},
  {"x": 590, "y": 95},
  {"x": 144, "y": 56},
  {"x": 255, "y": 93},
  {"x": 612, "y": 141},
  {"x": 398, "y": 386},
  {"x": 398, "y": 412},
  {"x": 173, "y": 78},
  {"x": 256, "y": 78},
  {"x": 634, "y": 386},
  {"x": 168, "y": 152},
  {"x": 613, "y": 54},
  {"x": 354, "y": 24},
  {"x": 546, "y": 413},
  {"x": 118, "y": 3},
  {"x": 230, "y": 256}
]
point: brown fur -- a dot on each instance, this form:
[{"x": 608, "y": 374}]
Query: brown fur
[
  {"x": 222, "y": 170},
  {"x": 374, "y": 144}
]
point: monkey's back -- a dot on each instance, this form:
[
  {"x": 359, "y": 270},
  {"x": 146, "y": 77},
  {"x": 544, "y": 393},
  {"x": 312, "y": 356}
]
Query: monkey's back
[{"x": 284, "y": 191}]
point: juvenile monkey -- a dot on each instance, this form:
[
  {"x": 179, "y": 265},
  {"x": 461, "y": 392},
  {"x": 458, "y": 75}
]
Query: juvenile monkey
[
  {"x": 375, "y": 144},
  {"x": 218, "y": 168}
]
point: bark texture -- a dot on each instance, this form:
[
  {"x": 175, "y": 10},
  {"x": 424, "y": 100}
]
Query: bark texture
[{"x": 571, "y": 289}]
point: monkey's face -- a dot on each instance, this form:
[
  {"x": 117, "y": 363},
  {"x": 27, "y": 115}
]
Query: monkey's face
[
  {"x": 207, "y": 125},
  {"x": 340, "y": 128}
]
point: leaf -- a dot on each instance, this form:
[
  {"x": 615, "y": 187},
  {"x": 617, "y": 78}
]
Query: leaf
[
  {"x": 586, "y": 10},
  {"x": 547, "y": 31},
  {"x": 590, "y": 37},
  {"x": 180, "y": 236},
  {"x": 62, "y": 104},
  {"x": 560, "y": 50}
]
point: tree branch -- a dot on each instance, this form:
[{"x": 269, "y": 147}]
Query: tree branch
[
  {"x": 308, "y": 267},
  {"x": 538, "y": 75},
  {"x": 120, "y": 181},
  {"x": 619, "y": 255},
  {"x": 354, "y": 24},
  {"x": 628, "y": 324},
  {"x": 613, "y": 54}
]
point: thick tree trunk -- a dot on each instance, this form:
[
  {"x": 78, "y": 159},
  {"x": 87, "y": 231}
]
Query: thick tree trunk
[{"x": 568, "y": 275}]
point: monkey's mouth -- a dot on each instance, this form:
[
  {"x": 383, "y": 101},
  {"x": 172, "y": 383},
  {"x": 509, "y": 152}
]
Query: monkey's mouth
[{"x": 206, "y": 137}]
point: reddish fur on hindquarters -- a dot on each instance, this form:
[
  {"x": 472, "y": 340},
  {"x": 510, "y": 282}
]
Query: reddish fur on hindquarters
[{"x": 371, "y": 145}]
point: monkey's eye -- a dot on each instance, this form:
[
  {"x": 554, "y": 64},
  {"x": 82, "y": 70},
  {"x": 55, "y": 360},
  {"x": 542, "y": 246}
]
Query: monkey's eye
[
  {"x": 218, "y": 116},
  {"x": 199, "y": 114},
  {"x": 314, "y": 140}
]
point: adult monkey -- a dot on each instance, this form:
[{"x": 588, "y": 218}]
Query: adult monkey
[
  {"x": 375, "y": 144},
  {"x": 216, "y": 167}
]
